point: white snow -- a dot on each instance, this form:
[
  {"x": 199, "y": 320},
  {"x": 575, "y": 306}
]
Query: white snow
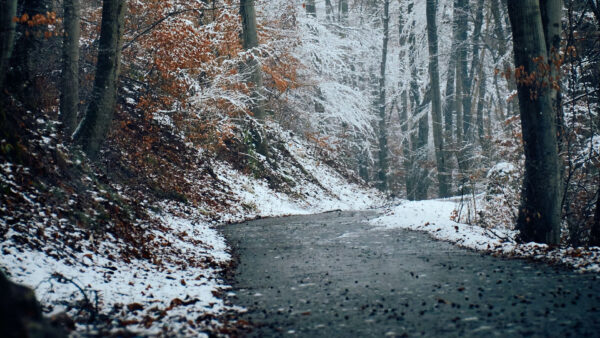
[{"x": 435, "y": 217}]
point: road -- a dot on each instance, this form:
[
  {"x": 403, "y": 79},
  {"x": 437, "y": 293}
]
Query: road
[{"x": 335, "y": 275}]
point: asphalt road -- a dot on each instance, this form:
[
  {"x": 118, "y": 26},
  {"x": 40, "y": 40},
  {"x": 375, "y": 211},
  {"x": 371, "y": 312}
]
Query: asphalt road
[{"x": 334, "y": 275}]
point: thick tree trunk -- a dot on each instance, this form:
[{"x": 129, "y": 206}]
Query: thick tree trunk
[
  {"x": 539, "y": 216},
  {"x": 95, "y": 125},
  {"x": 8, "y": 10},
  {"x": 436, "y": 103},
  {"x": 69, "y": 97},
  {"x": 383, "y": 147}
]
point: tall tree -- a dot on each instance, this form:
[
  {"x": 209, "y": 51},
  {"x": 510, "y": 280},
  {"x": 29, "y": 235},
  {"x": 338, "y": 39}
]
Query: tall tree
[
  {"x": 8, "y": 10},
  {"x": 252, "y": 68},
  {"x": 95, "y": 125},
  {"x": 436, "y": 102},
  {"x": 69, "y": 96},
  {"x": 536, "y": 27},
  {"x": 383, "y": 147},
  {"x": 29, "y": 52}
]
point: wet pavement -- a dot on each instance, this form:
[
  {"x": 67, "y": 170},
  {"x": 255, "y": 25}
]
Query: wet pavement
[{"x": 335, "y": 275}]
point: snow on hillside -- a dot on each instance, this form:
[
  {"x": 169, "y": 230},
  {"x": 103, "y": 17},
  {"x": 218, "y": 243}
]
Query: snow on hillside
[
  {"x": 435, "y": 217},
  {"x": 178, "y": 291}
]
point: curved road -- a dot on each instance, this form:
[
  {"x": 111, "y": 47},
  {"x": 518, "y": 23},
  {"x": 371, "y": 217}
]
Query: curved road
[{"x": 334, "y": 275}]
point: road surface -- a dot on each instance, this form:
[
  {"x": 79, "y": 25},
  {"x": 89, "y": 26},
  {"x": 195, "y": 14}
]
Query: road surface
[{"x": 335, "y": 275}]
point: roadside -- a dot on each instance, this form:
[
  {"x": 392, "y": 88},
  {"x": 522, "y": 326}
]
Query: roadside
[{"x": 436, "y": 218}]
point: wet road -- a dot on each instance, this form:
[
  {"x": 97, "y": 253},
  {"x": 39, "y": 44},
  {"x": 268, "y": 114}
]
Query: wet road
[{"x": 334, "y": 275}]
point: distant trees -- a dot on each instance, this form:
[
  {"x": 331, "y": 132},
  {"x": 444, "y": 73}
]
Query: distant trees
[{"x": 536, "y": 30}]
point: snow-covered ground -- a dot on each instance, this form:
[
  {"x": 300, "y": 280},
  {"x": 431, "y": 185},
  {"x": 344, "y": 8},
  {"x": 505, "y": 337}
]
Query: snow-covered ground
[
  {"x": 435, "y": 217},
  {"x": 178, "y": 291}
]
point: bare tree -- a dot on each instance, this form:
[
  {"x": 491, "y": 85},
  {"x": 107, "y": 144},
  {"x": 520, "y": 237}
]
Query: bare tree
[
  {"x": 536, "y": 28},
  {"x": 95, "y": 125}
]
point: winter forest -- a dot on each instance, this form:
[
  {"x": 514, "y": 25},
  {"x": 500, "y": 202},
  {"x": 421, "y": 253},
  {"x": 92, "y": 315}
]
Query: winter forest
[{"x": 149, "y": 150}]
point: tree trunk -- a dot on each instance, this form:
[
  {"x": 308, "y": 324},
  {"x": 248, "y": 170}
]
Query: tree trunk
[
  {"x": 328, "y": 9},
  {"x": 8, "y": 10},
  {"x": 436, "y": 104},
  {"x": 253, "y": 69},
  {"x": 383, "y": 148},
  {"x": 465, "y": 95},
  {"x": 311, "y": 8},
  {"x": 27, "y": 54},
  {"x": 539, "y": 215},
  {"x": 95, "y": 125},
  {"x": 342, "y": 10},
  {"x": 69, "y": 98},
  {"x": 502, "y": 49}
]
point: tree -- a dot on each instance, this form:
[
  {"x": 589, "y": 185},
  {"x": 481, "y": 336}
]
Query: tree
[
  {"x": 29, "y": 51},
  {"x": 95, "y": 125},
  {"x": 383, "y": 148},
  {"x": 536, "y": 27},
  {"x": 436, "y": 103},
  {"x": 311, "y": 8},
  {"x": 69, "y": 98},
  {"x": 252, "y": 67},
  {"x": 8, "y": 10}
]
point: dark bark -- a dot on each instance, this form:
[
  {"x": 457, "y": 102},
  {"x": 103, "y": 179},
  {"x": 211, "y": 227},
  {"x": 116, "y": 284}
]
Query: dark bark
[
  {"x": 69, "y": 98},
  {"x": 8, "y": 10},
  {"x": 436, "y": 104},
  {"x": 311, "y": 8},
  {"x": 383, "y": 147},
  {"x": 27, "y": 55},
  {"x": 539, "y": 216},
  {"x": 96, "y": 123}
]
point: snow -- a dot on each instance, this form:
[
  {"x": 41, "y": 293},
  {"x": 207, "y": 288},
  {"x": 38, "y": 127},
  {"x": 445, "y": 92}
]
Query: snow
[
  {"x": 435, "y": 217},
  {"x": 116, "y": 284}
]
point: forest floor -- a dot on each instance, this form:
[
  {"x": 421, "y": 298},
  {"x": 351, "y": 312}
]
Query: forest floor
[{"x": 131, "y": 245}]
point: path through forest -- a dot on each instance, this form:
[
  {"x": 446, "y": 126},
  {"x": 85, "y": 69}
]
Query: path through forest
[{"x": 334, "y": 274}]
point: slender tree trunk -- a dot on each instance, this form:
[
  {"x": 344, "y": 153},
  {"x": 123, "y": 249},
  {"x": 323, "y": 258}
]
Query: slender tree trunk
[
  {"x": 328, "y": 9},
  {"x": 476, "y": 40},
  {"x": 8, "y": 10},
  {"x": 436, "y": 103},
  {"x": 342, "y": 10},
  {"x": 253, "y": 68},
  {"x": 539, "y": 216},
  {"x": 311, "y": 8},
  {"x": 69, "y": 97},
  {"x": 383, "y": 147},
  {"x": 465, "y": 95},
  {"x": 511, "y": 108},
  {"x": 95, "y": 125}
]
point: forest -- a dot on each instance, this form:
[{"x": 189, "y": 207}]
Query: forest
[{"x": 131, "y": 131}]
